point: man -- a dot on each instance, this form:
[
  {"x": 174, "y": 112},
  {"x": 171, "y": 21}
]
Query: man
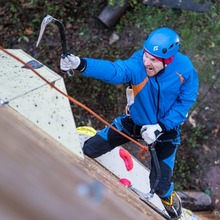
[{"x": 164, "y": 86}]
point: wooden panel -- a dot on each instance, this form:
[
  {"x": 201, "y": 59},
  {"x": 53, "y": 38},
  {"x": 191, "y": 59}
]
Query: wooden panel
[{"x": 41, "y": 179}]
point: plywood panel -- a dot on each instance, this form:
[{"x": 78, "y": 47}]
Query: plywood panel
[{"x": 41, "y": 179}]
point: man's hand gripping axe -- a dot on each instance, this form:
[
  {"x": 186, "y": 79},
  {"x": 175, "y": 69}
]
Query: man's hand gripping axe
[{"x": 44, "y": 23}]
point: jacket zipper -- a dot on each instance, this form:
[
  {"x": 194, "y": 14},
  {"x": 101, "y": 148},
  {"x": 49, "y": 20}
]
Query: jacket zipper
[{"x": 158, "y": 98}]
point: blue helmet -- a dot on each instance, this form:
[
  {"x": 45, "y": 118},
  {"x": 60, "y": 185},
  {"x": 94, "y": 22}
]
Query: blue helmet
[{"x": 163, "y": 43}]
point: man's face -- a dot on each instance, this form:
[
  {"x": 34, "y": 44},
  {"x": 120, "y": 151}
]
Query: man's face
[{"x": 152, "y": 65}]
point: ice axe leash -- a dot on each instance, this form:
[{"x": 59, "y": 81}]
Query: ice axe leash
[
  {"x": 48, "y": 19},
  {"x": 156, "y": 166}
]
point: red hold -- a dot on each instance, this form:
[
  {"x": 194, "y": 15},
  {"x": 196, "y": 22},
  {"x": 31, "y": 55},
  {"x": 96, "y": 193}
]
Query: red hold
[
  {"x": 125, "y": 155},
  {"x": 125, "y": 182}
]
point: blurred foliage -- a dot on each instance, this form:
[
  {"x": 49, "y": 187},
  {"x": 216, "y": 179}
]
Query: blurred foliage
[
  {"x": 200, "y": 39},
  {"x": 121, "y": 2}
]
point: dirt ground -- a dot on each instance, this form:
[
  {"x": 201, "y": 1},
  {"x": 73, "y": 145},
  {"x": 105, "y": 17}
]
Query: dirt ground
[{"x": 209, "y": 153}]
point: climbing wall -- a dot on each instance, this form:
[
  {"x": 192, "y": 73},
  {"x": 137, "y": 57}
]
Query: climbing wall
[{"x": 35, "y": 99}]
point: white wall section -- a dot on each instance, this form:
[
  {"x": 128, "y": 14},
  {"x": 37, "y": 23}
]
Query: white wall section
[{"x": 27, "y": 93}]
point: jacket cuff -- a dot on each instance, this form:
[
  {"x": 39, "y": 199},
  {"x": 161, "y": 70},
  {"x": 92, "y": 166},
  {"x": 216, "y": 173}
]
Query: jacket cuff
[
  {"x": 162, "y": 126},
  {"x": 82, "y": 65}
]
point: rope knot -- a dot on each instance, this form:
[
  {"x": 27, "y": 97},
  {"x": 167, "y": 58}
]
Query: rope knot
[{"x": 144, "y": 153}]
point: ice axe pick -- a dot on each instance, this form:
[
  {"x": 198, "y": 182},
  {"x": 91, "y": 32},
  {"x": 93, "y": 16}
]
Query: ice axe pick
[{"x": 48, "y": 19}]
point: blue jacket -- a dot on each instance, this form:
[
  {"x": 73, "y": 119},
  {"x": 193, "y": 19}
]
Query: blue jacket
[{"x": 165, "y": 98}]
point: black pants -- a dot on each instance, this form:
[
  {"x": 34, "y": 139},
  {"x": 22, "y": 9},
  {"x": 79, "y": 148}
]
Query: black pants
[{"x": 107, "y": 139}]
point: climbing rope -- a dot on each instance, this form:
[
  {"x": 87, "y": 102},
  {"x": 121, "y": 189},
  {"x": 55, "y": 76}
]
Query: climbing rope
[{"x": 144, "y": 149}]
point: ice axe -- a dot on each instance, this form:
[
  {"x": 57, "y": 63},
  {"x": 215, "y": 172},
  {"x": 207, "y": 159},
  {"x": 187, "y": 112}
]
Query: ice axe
[
  {"x": 156, "y": 164},
  {"x": 48, "y": 19}
]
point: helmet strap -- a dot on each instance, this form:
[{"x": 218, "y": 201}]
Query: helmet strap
[
  {"x": 164, "y": 64},
  {"x": 160, "y": 72}
]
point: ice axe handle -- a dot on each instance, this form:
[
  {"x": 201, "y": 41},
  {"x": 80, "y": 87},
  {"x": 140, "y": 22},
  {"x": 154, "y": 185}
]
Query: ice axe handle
[{"x": 61, "y": 27}]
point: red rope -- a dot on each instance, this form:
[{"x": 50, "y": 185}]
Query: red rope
[{"x": 143, "y": 150}]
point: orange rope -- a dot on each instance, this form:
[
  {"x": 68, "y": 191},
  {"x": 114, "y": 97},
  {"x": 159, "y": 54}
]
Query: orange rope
[{"x": 143, "y": 150}]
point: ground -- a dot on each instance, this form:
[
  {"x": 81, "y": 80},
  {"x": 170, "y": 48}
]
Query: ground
[{"x": 199, "y": 153}]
